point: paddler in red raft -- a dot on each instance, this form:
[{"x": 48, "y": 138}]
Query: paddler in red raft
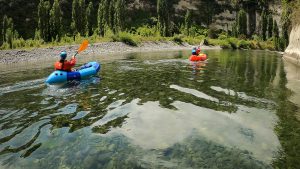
[
  {"x": 64, "y": 64},
  {"x": 196, "y": 56}
]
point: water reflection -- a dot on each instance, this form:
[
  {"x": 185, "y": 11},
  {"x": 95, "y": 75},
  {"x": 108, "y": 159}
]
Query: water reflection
[{"x": 149, "y": 113}]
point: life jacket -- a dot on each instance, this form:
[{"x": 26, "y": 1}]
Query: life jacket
[{"x": 66, "y": 65}]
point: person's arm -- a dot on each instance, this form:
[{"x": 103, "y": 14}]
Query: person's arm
[{"x": 73, "y": 61}]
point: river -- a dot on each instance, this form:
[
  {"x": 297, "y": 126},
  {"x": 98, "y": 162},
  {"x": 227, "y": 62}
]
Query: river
[{"x": 148, "y": 110}]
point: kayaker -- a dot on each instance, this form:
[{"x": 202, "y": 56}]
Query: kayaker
[
  {"x": 194, "y": 51},
  {"x": 198, "y": 50},
  {"x": 64, "y": 64}
]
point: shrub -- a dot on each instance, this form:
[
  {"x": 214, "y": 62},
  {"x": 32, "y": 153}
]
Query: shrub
[
  {"x": 233, "y": 42},
  {"x": 243, "y": 44},
  {"x": 222, "y": 36},
  {"x": 254, "y": 44},
  {"x": 5, "y": 45},
  {"x": 146, "y": 31},
  {"x": 127, "y": 39},
  {"x": 178, "y": 39}
]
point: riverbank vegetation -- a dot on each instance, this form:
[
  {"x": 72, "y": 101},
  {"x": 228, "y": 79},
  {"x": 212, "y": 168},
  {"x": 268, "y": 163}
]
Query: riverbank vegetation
[{"x": 105, "y": 20}]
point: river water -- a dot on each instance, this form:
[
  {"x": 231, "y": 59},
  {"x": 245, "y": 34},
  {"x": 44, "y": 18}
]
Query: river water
[{"x": 146, "y": 110}]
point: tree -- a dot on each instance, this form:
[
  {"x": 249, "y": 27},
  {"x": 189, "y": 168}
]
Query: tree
[
  {"x": 101, "y": 18},
  {"x": 264, "y": 21},
  {"x": 8, "y": 30},
  {"x": 90, "y": 19},
  {"x": 242, "y": 23},
  {"x": 111, "y": 16},
  {"x": 270, "y": 26},
  {"x": 234, "y": 31},
  {"x": 55, "y": 20},
  {"x": 83, "y": 17},
  {"x": 188, "y": 22},
  {"x": 6, "y": 24},
  {"x": 43, "y": 19},
  {"x": 276, "y": 35},
  {"x": 119, "y": 15},
  {"x": 163, "y": 17},
  {"x": 79, "y": 17}
]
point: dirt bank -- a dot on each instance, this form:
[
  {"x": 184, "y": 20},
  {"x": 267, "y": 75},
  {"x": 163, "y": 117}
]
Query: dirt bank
[{"x": 97, "y": 49}]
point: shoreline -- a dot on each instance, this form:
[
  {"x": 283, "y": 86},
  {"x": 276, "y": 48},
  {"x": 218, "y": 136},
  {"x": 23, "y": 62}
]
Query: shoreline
[{"x": 96, "y": 49}]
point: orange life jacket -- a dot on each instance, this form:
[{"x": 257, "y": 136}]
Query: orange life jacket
[{"x": 66, "y": 65}]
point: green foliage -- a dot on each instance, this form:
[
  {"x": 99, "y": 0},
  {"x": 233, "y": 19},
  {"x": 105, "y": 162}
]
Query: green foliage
[
  {"x": 79, "y": 18},
  {"x": 276, "y": 40},
  {"x": 146, "y": 31},
  {"x": 128, "y": 39},
  {"x": 270, "y": 26},
  {"x": 90, "y": 19},
  {"x": 111, "y": 18},
  {"x": 178, "y": 39},
  {"x": 285, "y": 22},
  {"x": 233, "y": 42},
  {"x": 243, "y": 44},
  {"x": 188, "y": 22},
  {"x": 101, "y": 18},
  {"x": 55, "y": 21},
  {"x": 43, "y": 20},
  {"x": 120, "y": 15},
  {"x": 264, "y": 25},
  {"x": 193, "y": 40},
  {"x": 242, "y": 23},
  {"x": 7, "y": 26},
  {"x": 234, "y": 31},
  {"x": 163, "y": 18}
]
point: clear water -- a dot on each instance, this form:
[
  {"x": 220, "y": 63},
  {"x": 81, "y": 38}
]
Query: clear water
[{"x": 148, "y": 110}]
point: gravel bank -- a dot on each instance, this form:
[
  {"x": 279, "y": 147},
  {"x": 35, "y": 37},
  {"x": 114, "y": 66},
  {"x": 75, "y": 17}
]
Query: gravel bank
[{"x": 97, "y": 49}]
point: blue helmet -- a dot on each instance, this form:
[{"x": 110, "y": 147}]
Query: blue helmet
[
  {"x": 63, "y": 55},
  {"x": 194, "y": 52}
]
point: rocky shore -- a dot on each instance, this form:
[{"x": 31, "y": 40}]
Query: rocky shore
[{"x": 97, "y": 49}]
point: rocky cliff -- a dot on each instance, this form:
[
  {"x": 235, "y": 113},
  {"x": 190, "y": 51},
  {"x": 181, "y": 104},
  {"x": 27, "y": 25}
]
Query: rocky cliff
[{"x": 292, "y": 53}]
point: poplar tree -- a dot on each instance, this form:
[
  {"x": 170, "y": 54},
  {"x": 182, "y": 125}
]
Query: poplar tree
[
  {"x": 270, "y": 26},
  {"x": 6, "y": 24},
  {"x": 8, "y": 30},
  {"x": 111, "y": 19},
  {"x": 43, "y": 19},
  {"x": 79, "y": 17},
  {"x": 106, "y": 4},
  {"x": 75, "y": 16},
  {"x": 188, "y": 22},
  {"x": 242, "y": 23},
  {"x": 163, "y": 17},
  {"x": 83, "y": 24},
  {"x": 55, "y": 20},
  {"x": 101, "y": 18},
  {"x": 264, "y": 25},
  {"x": 119, "y": 15},
  {"x": 276, "y": 35},
  {"x": 90, "y": 19}
]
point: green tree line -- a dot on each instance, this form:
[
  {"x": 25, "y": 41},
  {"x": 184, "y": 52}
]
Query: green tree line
[{"x": 102, "y": 17}]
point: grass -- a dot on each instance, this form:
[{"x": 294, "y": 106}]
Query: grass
[{"x": 145, "y": 34}]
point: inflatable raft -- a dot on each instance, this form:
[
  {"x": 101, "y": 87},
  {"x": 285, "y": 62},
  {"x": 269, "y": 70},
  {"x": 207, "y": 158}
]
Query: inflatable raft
[
  {"x": 85, "y": 71},
  {"x": 201, "y": 57}
]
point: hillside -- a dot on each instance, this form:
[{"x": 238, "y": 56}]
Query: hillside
[{"x": 207, "y": 16}]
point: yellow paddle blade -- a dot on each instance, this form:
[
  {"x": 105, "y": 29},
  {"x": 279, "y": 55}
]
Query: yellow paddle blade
[{"x": 83, "y": 46}]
